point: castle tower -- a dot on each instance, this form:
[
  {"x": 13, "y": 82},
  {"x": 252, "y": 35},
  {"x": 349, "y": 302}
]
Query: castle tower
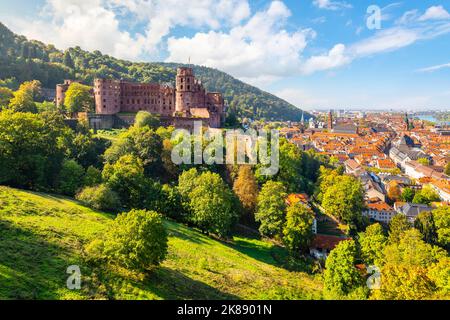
[
  {"x": 185, "y": 87},
  {"x": 107, "y": 96},
  {"x": 61, "y": 91}
]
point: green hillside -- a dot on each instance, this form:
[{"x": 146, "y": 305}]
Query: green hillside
[
  {"x": 41, "y": 235},
  {"x": 27, "y": 60}
]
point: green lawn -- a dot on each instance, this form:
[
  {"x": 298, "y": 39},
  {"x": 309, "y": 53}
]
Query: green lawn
[
  {"x": 41, "y": 235},
  {"x": 110, "y": 134}
]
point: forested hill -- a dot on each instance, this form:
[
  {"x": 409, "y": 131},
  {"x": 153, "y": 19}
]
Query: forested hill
[{"x": 24, "y": 60}]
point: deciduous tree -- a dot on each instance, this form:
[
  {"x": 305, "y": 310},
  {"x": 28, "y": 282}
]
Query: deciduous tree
[
  {"x": 271, "y": 209},
  {"x": 212, "y": 204},
  {"x": 141, "y": 142},
  {"x": 23, "y": 100},
  {"x": 405, "y": 269},
  {"x": 70, "y": 178},
  {"x": 145, "y": 118},
  {"x": 408, "y": 194},
  {"x": 397, "y": 226},
  {"x": 426, "y": 196},
  {"x": 79, "y": 98},
  {"x": 341, "y": 276},
  {"x": 297, "y": 232},
  {"x": 441, "y": 217},
  {"x": 345, "y": 200},
  {"x": 372, "y": 243},
  {"x": 246, "y": 189},
  {"x": 6, "y": 95},
  {"x": 425, "y": 224}
]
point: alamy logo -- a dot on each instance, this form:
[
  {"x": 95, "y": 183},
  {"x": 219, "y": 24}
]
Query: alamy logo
[
  {"x": 374, "y": 280},
  {"x": 74, "y": 280},
  {"x": 374, "y": 19},
  {"x": 212, "y": 146}
]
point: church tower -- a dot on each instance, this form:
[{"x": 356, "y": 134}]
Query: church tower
[{"x": 330, "y": 121}]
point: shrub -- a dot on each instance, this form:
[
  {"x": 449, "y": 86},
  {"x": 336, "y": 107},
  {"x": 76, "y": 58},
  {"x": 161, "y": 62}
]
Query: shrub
[
  {"x": 126, "y": 177},
  {"x": 92, "y": 177},
  {"x": 171, "y": 204},
  {"x": 70, "y": 177},
  {"x": 144, "y": 118},
  {"x": 100, "y": 197},
  {"x": 136, "y": 240}
]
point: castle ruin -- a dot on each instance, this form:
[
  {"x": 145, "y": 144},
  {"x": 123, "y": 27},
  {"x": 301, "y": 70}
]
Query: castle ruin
[{"x": 178, "y": 106}]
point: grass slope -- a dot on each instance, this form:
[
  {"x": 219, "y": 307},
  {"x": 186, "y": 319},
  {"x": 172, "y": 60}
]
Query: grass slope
[{"x": 41, "y": 235}]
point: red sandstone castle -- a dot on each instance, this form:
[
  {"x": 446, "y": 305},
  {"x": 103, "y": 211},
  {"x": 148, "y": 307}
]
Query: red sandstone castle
[{"x": 178, "y": 106}]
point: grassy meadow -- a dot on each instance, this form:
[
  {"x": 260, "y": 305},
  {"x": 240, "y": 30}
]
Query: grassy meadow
[{"x": 41, "y": 235}]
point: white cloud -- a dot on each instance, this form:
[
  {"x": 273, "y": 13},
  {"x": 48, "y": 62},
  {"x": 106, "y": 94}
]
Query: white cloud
[
  {"x": 319, "y": 20},
  {"x": 408, "y": 17},
  {"x": 96, "y": 24},
  {"x": 259, "y": 49},
  {"x": 336, "y": 57},
  {"x": 80, "y": 22},
  {"x": 435, "y": 68},
  {"x": 386, "y": 12},
  {"x": 163, "y": 15},
  {"x": 435, "y": 13},
  {"x": 385, "y": 40},
  {"x": 332, "y": 5},
  {"x": 256, "y": 47}
]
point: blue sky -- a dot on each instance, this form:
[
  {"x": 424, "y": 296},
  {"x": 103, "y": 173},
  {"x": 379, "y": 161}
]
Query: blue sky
[{"x": 313, "y": 53}]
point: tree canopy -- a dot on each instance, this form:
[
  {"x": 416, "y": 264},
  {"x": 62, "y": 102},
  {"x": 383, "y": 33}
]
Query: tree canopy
[
  {"x": 271, "y": 208},
  {"x": 79, "y": 98},
  {"x": 297, "y": 232},
  {"x": 345, "y": 200}
]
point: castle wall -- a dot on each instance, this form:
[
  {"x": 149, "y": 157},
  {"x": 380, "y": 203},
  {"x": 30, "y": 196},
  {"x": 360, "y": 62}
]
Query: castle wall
[{"x": 153, "y": 98}]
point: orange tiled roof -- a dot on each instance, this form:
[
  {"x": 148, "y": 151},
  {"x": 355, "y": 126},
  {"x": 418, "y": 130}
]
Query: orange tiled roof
[
  {"x": 379, "y": 206},
  {"x": 386, "y": 163},
  {"x": 294, "y": 198}
]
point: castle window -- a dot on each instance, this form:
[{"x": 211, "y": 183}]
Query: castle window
[
  {"x": 182, "y": 80},
  {"x": 104, "y": 100},
  {"x": 189, "y": 88},
  {"x": 181, "y": 87}
]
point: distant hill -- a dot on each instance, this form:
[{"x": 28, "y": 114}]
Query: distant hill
[
  {"x": 26, "y": 60},
  {"x": 42, "y": 234}
]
